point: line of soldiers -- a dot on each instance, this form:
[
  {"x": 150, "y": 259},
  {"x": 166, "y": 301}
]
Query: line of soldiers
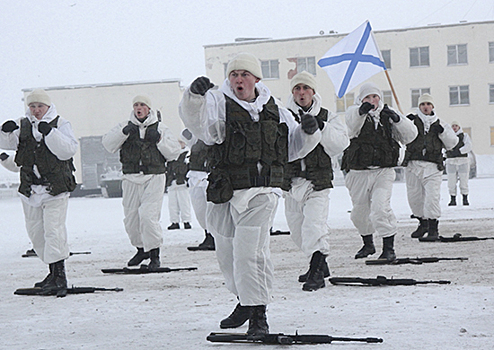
[{"x": 255, "y": 147}]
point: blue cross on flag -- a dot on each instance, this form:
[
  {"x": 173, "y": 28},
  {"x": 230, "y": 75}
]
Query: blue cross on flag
[{"x": 353, "y": 60}]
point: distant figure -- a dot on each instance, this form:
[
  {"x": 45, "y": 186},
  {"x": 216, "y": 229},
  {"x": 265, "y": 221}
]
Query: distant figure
[
  {"x": 44, "y": 144},
  {"x": 145, "y": 144},
  {"x": 374, "y": 130},
  {"x": 424, "y": 167},
  {"x": 309, "y": 180},
  {"x": 458, "y": 165}
]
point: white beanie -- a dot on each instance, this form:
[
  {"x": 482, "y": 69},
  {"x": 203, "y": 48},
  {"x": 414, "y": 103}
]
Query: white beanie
[
  {"x": 303, "y": 77},
  {"x": 245, "y": 61},
  {"x": 454, "y": 122},
  {"x": 40, "y": 96},
  {"x": 368, "y": 89},
  {"x": 426, "y": 98},
  {"x": 142, "y": 99}
]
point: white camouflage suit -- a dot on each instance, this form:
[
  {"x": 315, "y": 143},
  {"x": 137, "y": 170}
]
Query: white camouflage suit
[
  {"x": 142, "y": 196},
  {"x": 44, "y": 214},
  {"x": 179, "y": 199},
  {"x": 370, "y": 190},
  {"x": 423, "y": 179},
  {"x": 241, "y": 226},
  {"x": 306, "y": 210},
  {"x": 458, "y": 168}
]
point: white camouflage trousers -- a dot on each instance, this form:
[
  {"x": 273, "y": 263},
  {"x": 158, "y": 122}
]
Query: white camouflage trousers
[
  {"x": 370, "y": 191},
  {"x": 242, "y": 247},
  {"x": 179, "y": 203},
  {"x": 424, "y": 189},
  {"x": 142, "y": 209},
  {"x": 46, "y": 228},
  {"x": 458, "y": 169}
]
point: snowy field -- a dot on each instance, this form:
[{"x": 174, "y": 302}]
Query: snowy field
[{"x": 178, "y": 310}]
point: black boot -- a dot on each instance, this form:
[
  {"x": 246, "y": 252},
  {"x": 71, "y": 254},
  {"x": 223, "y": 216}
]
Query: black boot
[
  {"x": 47, "y": 279},
  {"x": 325, "y": 270},
  {"x": 154, "y": 255},
  {"x": 237, "y": 318},
  {"x": 422, "y": 229},
  {"x": 174, "y": 226},
  {"x": 465, "y": 199},
  {"x": 367, "y": 249},
  {"x": 433, "y": 234},
  {"x": 187, "y": 225},
  {"x": 208, "y": 243},
  {"x": 315, "y": 280},
  {"x": 258, "y": 323},
  {"x": 138, "y": 258},
  {"x": 58, "y": 284},
  {"x": 452, "y": 202},
  {"x": 388, "y": 249}
]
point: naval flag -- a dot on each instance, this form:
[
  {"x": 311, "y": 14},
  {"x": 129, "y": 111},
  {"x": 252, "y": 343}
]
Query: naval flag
[{"x": 353, "y": 60}]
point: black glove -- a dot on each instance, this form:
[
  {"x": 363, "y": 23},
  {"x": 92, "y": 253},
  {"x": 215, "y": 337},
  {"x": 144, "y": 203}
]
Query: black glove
[
  {"x": 3, "y": 156},
  {"x": 130, "y": 129},
  {"x": 309, "y": 123},
  {"x": 9, "y": 126},
  {"x": 187, "y": 134},
  {"x": 436, "y": 128},
  {"x": 390, "y": 114},
  {"x": 201, "y": 85},
  {"x": 454, "y": 152},
  {"x": 44, "y": 128},
  {"x": 152, "y": 135},
  {"x": 411, "y": 116},
  {"x": 320, "y": 122},
  {"x": 365, "y": 108}
]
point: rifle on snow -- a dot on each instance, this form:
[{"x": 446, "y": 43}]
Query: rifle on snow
[
  {"x": 31, "y": 253},
  {"x": 143, "y": 269},
  {"x": 415, "y": 261},
  {"x": 71, "y": 290},
  {"x": 278, "y": 232},
  {"x": 284, "y": 339},
  {"x": 381, "y": 281},
  {"x": 457, "y": 237}
]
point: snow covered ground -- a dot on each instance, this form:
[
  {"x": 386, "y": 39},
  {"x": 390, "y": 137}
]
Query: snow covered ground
[{"x": 178, "y": 310}]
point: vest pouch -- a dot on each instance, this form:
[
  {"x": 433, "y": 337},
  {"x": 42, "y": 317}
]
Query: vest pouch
[
  {"x": 282, "y": 144},
  {"x": 253, "y": 141},
  {"x": 236, "y": 153},
  {"x": 220, "y": 189},
  {"x": 269, "y": 137},
  {"x": 276, "y": 176}
]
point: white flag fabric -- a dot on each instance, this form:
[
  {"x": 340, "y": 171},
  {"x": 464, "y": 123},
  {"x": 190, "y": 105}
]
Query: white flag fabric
[{"x": 353, "y": 60}]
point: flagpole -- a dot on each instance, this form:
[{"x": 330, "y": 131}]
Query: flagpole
[{"x": 393, "y": 91}]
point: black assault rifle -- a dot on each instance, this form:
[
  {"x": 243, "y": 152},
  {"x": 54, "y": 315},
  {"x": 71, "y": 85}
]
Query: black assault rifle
[
  {"x": 415, "y": 261},
  {"x": 278, "y": 232},
  {"x": 457, "y": 237},
  {"x": 284, "y": 339},
  {"x": 30, "y": 253},
  {"x": 380, "y": 281},
  {"x": 71, "y": 290},
  {"x": 143, "y": 269}
]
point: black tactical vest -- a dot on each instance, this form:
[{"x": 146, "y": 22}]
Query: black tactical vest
[
  {"x": 372, "y": 147},
  {"x": 177, "y": 170},
  {"x": 426, "y": 147},
  {"x": 318, "y": 167},
  {"x": 198, "y": 159},
  {"x": 56, "y": 174},
  {"x": 234, "y": 163},
  {"x": 138, "y": 155},
  {"x": 460, "y": 144}
]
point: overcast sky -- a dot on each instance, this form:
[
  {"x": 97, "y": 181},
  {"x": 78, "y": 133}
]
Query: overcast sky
[{"x": 47, "y": 43}]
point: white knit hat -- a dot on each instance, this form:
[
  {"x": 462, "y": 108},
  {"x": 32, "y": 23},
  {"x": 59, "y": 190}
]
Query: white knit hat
[
  {"x": 368, "y": 89},
  {"x": 426, "y": 98},
  {"x": 245, "y": 61},
  {"x": 454, "y": 122},
  {"x": 303, "y": 77},
  {"x": 40, "y": 96},
  {"x": 143, "y": 99}
]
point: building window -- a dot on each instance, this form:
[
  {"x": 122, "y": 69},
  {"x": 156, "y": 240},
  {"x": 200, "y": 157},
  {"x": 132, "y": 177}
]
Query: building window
[
  {"x": 416, "y": 93},
  {"x": 343, "y": 103},
  {"x": 468, "y": 131},
  {"x": 388, "y": 97},
  {"x": 492, "y": 136},
  {"x": 491, "y": 93},
  {"x": 225, "y": 65},
  {"x": 491, "y": 52},
  {"x": 386, "y": 54},
  {"x": 459, "y": 95},
  {"x": 457, "y": 54},
  {"x": 270, "y": 69},
  {"x": 306, "y": 63},
  {"x": 419, "y": 56}
]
